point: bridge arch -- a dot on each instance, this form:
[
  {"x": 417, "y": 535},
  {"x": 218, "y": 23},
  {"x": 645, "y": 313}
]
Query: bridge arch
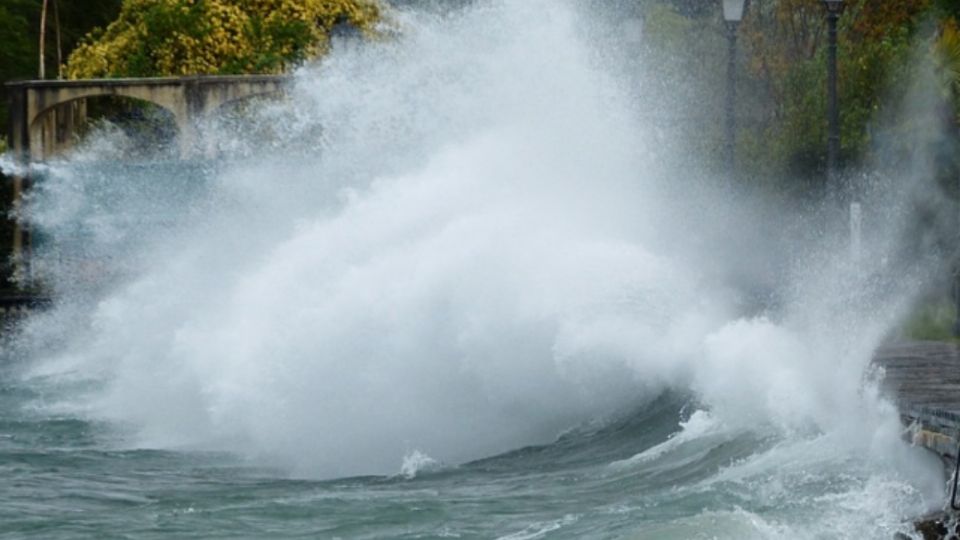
[
  {"x": 239, "y": 100},
  {"x": 47, "y": 101},
  {"x": 189, "y": 99},
  {"x": 53, "y": 128}
]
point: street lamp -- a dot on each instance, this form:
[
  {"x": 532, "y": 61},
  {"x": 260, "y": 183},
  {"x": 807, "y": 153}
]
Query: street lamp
[
  {"x": 834, "y": 7},
  {"x": 733, "y": 14},
  {"x": 733, "y": 10},
  {"x": 633, "y": 31}
]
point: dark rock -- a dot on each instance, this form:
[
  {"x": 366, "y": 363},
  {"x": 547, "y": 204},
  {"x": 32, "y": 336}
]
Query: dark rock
[{"x": 938, "y": 526}]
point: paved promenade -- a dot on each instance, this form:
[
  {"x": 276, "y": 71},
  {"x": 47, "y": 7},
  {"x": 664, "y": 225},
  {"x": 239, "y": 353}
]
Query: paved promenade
[{"x": 924, "y": 379}]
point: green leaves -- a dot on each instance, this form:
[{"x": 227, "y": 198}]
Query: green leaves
[
  {"x": 186, "y": 37},
  {"x": 948, "y": 51},
  {"x": 787, "y": 53}
]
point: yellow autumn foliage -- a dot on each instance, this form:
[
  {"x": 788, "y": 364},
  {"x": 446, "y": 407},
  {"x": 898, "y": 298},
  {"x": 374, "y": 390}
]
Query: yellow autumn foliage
[
  {"x": 948, "y": 49},
  {"x": 188, "y": 37}
]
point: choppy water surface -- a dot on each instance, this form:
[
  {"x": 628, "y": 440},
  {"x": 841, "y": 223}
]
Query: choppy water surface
[
  {"x": 460, "y": 284},
  {"x": 640, "y": 476}
]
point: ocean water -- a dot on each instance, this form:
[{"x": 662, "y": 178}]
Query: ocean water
[
  {"x": 661, "y": 471},
  {"x": 458, "y": 284}
]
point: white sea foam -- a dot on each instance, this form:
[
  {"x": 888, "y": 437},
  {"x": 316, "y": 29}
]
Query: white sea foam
[
  {"x": 417, "y": 462},
  {"x": 541, "y": 529},
  {"x": 699, "y": 425}
]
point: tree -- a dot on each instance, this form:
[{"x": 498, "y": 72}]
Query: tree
[
  {"x": 786, "y": 41},
  {"x": 19, "y": 34},
  {"x": 187, "y": 37},
  {"x": 947, "y": 48},
  {"x": 43, "y": 35}
]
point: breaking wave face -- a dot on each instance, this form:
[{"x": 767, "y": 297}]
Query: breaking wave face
[{"x": 446, "y": 245}]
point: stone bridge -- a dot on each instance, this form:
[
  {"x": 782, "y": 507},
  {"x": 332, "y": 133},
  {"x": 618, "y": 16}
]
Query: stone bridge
[{"x": 44, "y": 115}]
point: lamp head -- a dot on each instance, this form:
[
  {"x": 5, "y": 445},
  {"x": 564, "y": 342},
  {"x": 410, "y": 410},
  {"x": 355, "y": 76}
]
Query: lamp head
[
  {"x": 733, "y": 10},
  {"x": 833, "y": 6},
  {"x": 633, "y": 31}
]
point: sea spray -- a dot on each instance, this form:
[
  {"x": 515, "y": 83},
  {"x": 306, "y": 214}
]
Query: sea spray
[
  {"x": 464, "y": 241},
  {"x": 408, "y": 283}
]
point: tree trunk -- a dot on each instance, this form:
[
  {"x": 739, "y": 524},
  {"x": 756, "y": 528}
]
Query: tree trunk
[
  {"x": 43, "y": 33},
  {"x": 56, "y": 22}
]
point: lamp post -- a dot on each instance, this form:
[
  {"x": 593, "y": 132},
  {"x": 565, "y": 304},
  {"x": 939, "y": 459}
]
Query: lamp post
[
  {"x": 732, "y": 14},
  {"x": 834, "y": 7},
  {"x": 633, "y": 31}
]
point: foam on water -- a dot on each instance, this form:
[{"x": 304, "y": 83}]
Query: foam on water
[
  {"x": 417, "y": 462},
  {"x": 463, "y": 240},
  {"x": 698, "y": 426}
]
